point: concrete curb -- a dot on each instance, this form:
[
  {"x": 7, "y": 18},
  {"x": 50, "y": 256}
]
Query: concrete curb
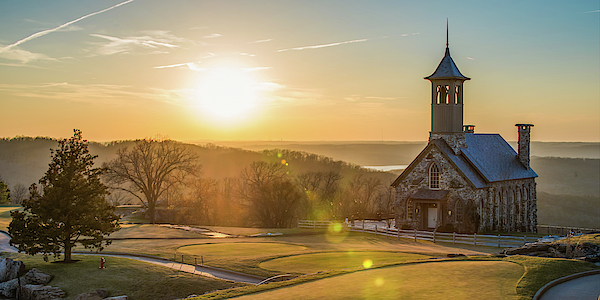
[{"x": 558, "y": 281}]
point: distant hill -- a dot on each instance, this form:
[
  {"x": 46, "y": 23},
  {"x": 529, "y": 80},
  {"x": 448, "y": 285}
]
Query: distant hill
[
  {"x": 568, "y": 188},
  {"x": 402, "y": 153}
]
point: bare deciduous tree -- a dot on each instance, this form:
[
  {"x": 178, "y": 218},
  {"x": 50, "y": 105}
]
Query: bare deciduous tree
[
  {"x": 18, "y": 193},
  {"x": 149, "y": 168},
  {"x": 270, "y": 195}
]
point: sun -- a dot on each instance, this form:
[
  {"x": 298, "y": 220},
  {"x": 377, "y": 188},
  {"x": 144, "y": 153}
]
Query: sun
[{"x": 226, "y": 94}]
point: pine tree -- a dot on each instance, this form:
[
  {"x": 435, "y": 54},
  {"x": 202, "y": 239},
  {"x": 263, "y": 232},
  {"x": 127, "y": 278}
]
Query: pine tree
[{"x": 70, "y": 208}]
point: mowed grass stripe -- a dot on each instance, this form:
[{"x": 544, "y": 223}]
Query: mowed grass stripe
[
  {"x": 435, "y": 280},
  {"x": 240, "y": 249},
  {"x": 314, "y": 262}
]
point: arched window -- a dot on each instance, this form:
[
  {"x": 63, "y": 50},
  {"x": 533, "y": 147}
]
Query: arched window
[
  {"x": 434, "y": 177},
  {"x": 410, "y": 210},
  {"x": 459, "y": 211}
]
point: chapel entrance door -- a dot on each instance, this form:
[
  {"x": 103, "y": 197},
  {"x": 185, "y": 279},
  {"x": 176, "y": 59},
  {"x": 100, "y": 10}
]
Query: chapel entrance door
[{"x": 432, "y": 217}]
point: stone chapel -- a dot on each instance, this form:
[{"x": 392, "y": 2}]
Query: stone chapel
[{"x": 465, "y": 181}]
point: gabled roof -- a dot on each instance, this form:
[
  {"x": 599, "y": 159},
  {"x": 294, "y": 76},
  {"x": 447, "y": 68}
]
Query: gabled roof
[
  {"x": 487, "y": 158},
  {"x": 494, "y": 158},
  {"x": 447, "y": 69},
  {"x": 459, "y": 162}
]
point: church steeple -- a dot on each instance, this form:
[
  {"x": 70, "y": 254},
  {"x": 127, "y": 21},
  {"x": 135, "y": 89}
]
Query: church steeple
[
  {"x": 447, "y": 95},
  {"x": 447, "y": 99}
]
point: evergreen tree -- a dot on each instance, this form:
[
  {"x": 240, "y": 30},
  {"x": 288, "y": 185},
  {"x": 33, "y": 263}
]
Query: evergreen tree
[
  {"x": 4, "y": 193},
  {"x": 71, "y": 205}
]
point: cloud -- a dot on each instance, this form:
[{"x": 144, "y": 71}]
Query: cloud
[
  {"x": 323, "y": 45},
  {"x": 470, "y": 58},
  {"x": 118, "y": 95},
  {"x": 210, "y": 36},
  {"x": 246, "y": 54},
  {"x": 152, "y": 40},
  {"x": 44, "y": 32},
  {"x": 261, "y": 41},
  {"x": 23, "y": 56},
  {"x": 592, "y": 11}
]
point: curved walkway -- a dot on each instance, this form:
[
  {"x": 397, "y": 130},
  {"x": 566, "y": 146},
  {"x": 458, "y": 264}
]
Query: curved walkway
[
  {"x": 200, "y": 270},
  {"x": 580, "y": 286}
]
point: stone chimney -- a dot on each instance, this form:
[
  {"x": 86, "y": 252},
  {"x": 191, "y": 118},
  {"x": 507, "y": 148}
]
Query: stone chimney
[{"x": 524, "y": 141}]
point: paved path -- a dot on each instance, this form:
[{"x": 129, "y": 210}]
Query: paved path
[
  {"x": 204, "y": 271},
  {"x": 582, "y": 288}
]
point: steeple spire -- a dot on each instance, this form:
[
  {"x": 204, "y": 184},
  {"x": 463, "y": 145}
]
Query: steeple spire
[{"x": 446, "y": 33}]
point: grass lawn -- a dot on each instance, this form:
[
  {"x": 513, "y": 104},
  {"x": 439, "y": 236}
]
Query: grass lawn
[
  {"x": 135, "y": 279},
  {"x": 5, "y": 217},
  {"x": 434, "y": 280},
  {"x": 240, "y": 249},
  {"x": 153, "y": 231},
  {"x": 250, "y": 231},
  {"x": 315, "y": 262}
]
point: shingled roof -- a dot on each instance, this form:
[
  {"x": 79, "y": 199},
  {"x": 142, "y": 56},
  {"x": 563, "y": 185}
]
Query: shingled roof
[
  {"x": 487, "y": 158},
  {"x": 447, "y": 69}
]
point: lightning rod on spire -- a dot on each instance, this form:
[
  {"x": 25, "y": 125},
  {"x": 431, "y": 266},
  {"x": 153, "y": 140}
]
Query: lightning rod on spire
[{"x": 446, "y": 32}]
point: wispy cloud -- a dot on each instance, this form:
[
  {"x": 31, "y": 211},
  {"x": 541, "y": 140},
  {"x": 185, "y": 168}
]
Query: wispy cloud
[
  {"x": 592, "y": 11},
  {"x": 246, "y": 54},
  {"x": 44, "y": 32},
  {"x": 190, "y": 65},
  {"x": 470, "y": 58},
  {"x": 23, "y": 56},
  {"x": 117, "y": 95},
  {"x": 211, "y": 36},
  {"x": 261, "y": 41},
  {"x": 152, "y": 40}
]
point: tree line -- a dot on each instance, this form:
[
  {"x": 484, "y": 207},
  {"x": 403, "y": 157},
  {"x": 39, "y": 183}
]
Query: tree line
[{"x": 74, "y": 202}]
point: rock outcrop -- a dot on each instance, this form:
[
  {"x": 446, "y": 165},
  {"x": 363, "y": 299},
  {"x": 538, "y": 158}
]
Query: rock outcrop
[
  {"x": 11, "y": 269},
  {"x": 41, "y": 292},
  {"x": 584, "y": 251}
]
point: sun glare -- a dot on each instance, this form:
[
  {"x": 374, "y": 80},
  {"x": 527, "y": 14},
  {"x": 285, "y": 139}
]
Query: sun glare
[{"x": 225, "y": 94}]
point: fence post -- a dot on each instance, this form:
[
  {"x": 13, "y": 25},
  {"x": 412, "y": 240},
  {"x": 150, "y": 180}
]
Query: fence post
[
  {"x": 453, "y": 237},
  {"x": 398, "y": 233},
  {"x": 524, "y": 239},
  {"x": 363, "y": 226},
  {"x": 475, "y": 239},
  {"x": 415, "y": 234},
  {"x": 175, "y": 257},
  {"x": 434, "y": 236},
  {"x": 314, "y": 224},
  {"x": 375, "y": 229},
  {"x": 202, "y": 260},
  {"x": 498, "y": 240},
  {"x": 181, "y": 258}
]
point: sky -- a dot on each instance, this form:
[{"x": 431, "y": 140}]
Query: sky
[{"x": 313, "y": 70}]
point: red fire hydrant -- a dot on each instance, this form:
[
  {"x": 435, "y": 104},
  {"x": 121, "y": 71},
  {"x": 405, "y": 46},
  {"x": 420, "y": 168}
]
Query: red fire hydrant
[{"x": 102, "y": 261}]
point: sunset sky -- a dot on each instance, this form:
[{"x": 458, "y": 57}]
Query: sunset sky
[{"x": 294, "y": 70}]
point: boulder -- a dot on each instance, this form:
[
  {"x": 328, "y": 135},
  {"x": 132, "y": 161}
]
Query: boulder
[
  {"x": 123, "y": 297},
  {"x": 11, "y": 269},
  {"x": 34, "y": 276},
  {"x": 8, "y": 289},
  {"x": 41, "y": 292}
]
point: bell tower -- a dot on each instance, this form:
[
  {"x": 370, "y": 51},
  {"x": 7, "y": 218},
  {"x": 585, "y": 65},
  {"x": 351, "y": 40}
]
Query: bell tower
[{"x": 447, "y": 102}]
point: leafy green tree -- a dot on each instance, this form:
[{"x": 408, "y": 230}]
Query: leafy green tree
[
  {"x": 4, "y": 193},
  {"x": 70, "y": 205}
]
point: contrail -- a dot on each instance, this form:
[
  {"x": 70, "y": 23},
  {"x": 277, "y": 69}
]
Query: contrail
[
  {"x": 323, "y": 46},
  {"x": 42, "y": 33}
]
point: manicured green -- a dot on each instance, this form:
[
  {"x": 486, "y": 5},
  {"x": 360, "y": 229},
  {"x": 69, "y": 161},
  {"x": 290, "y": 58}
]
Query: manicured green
[
  {"x": 434, "y": 280},
  {"x": 240, "y": 249},
  {"x": 153, "y": 231},
  {"x": 315, "y": 262},
  {"x": 541, "y": 270},
  {"x": 122, "y": 276}
]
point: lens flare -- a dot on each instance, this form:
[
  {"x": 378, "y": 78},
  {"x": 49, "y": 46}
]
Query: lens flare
[
  {"x": 367, "y": 263},
  {"x": 283, "y": 162},
  {"x": 379, "y": 281},
  {"x": 337, "y": 227}
]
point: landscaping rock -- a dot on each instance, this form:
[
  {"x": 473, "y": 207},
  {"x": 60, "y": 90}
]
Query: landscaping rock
[
  {"x": 41, "y": 292},
  {"x": 36, "y": 277},
  {"x": 8, "y": 289},
  {"x": 123, "y": 297},
  {"x": 11, "y": 269}
]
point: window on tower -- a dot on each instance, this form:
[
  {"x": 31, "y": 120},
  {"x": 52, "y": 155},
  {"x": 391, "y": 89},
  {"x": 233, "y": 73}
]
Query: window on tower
[
  {"x": 443, "y": 94},
  {"x": 457, "y": 99}
]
